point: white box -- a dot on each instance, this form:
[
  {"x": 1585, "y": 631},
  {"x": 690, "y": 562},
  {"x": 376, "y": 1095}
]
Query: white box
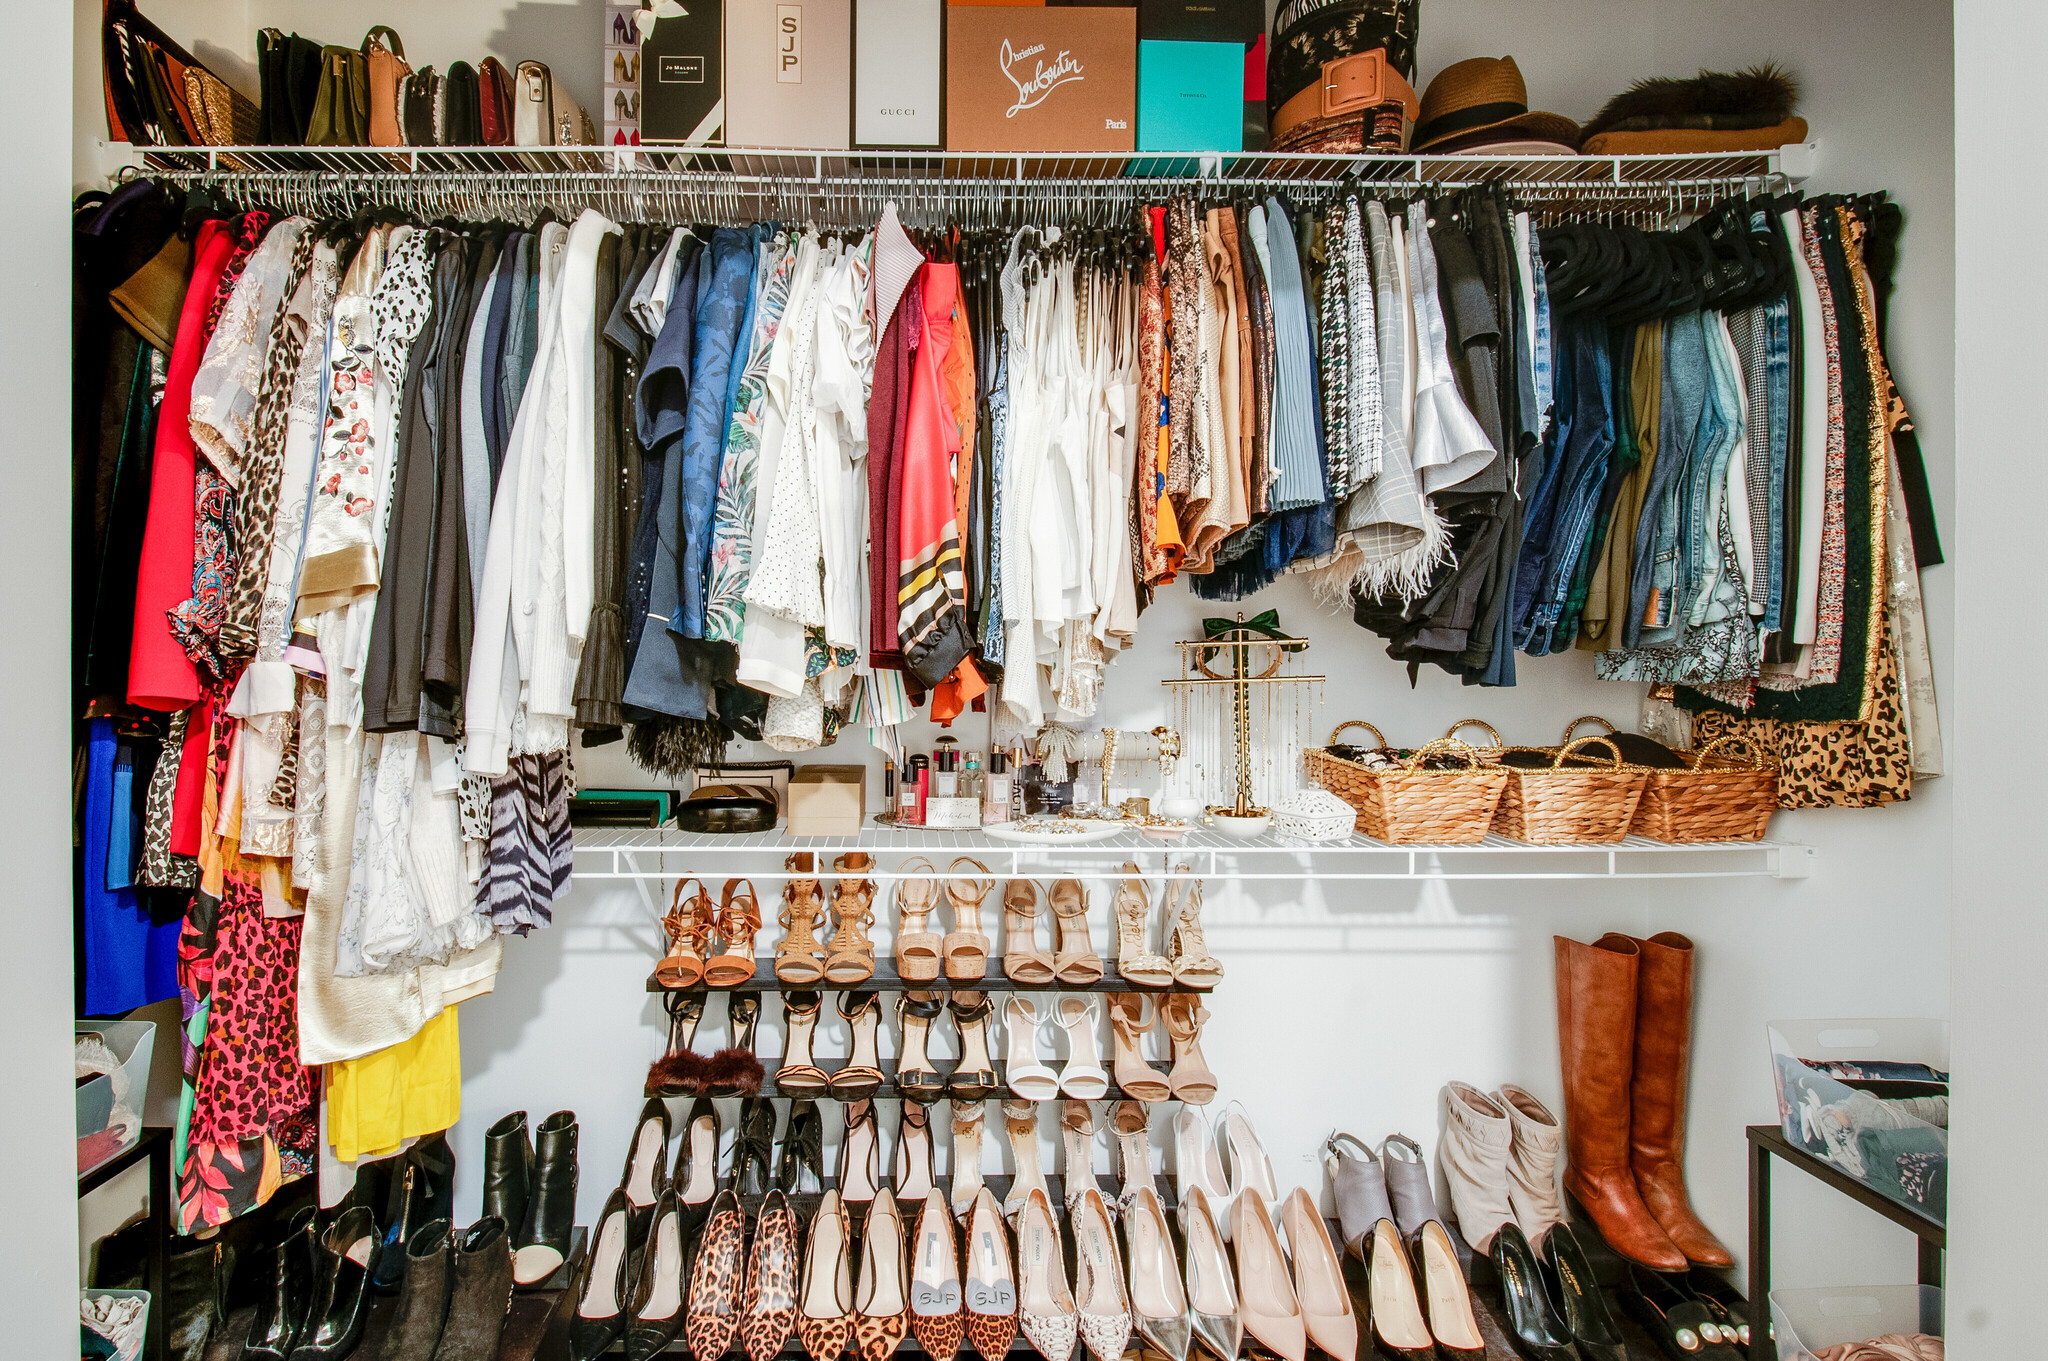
[
  {"x": 899, "y": 73},
  {"x": 789, "y": 73}
]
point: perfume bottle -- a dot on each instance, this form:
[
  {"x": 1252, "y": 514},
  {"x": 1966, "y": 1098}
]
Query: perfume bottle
[
  {"x": 970, "y": 778},
  {"x": 996, "y": 791}
]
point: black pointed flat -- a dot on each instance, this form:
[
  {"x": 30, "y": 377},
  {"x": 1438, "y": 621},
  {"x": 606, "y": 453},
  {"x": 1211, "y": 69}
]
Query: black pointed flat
[{"x": 1679, "y": 1320}]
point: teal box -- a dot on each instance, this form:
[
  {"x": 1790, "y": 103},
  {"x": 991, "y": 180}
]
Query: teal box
[{"x": 1190, "y": 96}]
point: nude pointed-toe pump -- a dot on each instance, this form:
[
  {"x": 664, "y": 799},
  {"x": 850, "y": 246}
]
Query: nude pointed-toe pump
[
  {"x": 1211, "y": 1285},
  {"x": 1265, "y": 1291},
  {"x": 1319, "y": 1288}
]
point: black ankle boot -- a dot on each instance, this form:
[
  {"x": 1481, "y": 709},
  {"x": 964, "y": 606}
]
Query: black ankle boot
[
  {"x": 415, "y": 1325},
  {"x": 543, "y": 1242},
  {"x": 341, "y": 1289},
  {"x": 508, "y": 1170},
  {"x": 421, "y": 1190},
  {"x": 287, "y": 1291},
  {"x": 481, "y": 1293}
]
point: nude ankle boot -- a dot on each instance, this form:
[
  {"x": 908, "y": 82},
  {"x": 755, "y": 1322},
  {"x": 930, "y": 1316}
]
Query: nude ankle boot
[
  {"x": 1532, "y": 1162},
  {"x": 1474, "y": 1157}
]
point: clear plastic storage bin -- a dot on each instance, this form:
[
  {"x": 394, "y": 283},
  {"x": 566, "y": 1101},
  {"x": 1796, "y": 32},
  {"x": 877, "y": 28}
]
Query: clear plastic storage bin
[
  {"x": 132, "y": 1042},
  {"x": 1841, "y": 1113},
  {"x": 1805, "y": 1321},
  {"x": 143, "y": 1295}
]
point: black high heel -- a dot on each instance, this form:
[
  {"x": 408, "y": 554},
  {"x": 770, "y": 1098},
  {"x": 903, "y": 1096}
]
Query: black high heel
[
  {"x": 736, "y": 1070},
  {"x": 1533, "y": 1324},
  {"x": 657, "y": 1313},
  {"x": 753, "y": 1155},
  {"x": 287, "y": 1292},
  {"x": 646, "y": 1173},
  {"x": 916, "y": 1079},
  {"x": 975, "y": 1078},
  {"x": 1731, "y": 1309},
  {"x": 601, "y": 1306},
  {"x": 695, "y": 1178},
  {"x": 341, "y": 1289},
  {"x": 803, "y": 1148},
  {"x": 1680, "y": 1321},
  {"x": 1576, "y": 1292}
]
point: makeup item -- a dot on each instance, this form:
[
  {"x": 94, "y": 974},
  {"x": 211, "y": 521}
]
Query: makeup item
[{"x": 916, "y": 788}]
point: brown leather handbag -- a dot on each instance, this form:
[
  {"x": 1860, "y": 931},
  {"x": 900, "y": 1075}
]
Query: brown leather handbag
[{"x": 387, "y": 68}]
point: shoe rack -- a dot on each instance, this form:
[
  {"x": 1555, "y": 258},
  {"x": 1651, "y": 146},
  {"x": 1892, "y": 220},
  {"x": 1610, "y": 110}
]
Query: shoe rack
[{"x": 885, "y": 978}]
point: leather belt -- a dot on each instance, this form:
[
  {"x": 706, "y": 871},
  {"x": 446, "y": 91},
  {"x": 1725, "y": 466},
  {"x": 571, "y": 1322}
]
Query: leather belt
[{"x": 1347, "y": 85}]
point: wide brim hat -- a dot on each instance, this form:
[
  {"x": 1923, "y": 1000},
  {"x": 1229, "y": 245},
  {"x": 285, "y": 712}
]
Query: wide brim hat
[{"x": 1483, "y": 101}]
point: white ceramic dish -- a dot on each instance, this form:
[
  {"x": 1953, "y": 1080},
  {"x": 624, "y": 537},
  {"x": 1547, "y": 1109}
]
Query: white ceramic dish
[{"x": 1053, "y": 831}]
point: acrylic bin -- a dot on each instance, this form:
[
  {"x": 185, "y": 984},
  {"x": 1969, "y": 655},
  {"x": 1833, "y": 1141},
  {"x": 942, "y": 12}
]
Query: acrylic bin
[
  {"x": 147, "y": 1305},
  {"x": 1824, "y": 1111},
  {"x": 1803, "y": 1322},
  {"x": 132, "y": 1043}
]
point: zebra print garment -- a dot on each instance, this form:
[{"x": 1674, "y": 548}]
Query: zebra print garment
[{"x": 530, "y": 849}]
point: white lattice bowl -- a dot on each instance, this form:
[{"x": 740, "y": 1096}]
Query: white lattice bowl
[{"x": 1314, "y": 815}]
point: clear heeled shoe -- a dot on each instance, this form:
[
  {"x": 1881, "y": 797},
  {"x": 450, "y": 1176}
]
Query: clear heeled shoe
[
  {"x": 1083, "y": 1077},
  {"x": 1196, "y": 1164},
  {"x": 1027, "y": 1075},
  {"x": 1244, "y": 1162}
]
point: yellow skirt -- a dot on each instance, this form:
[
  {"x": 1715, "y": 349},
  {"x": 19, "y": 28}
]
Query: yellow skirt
[{"x": 376, "y": 1102}]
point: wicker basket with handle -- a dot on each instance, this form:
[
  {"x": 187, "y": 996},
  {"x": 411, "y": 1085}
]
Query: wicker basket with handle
[
  {"x": 1488, "y": 754},
  {"x": 1578, "y": 804},
  {"x": 1407, "y": 803},
  {"x": 1726, "y": 792}
]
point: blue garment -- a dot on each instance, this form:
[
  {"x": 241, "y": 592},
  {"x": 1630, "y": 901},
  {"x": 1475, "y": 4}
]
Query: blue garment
[
  {"x": 1562, "y": 510},
  {"x": 1296, "y": 453},
  {"x": 721, "y": 308},
  {"x": 130, "y": 961},
  {"x": 1778, "y": 385},
  {"x": 124, "y": 823},
  {"x": 662, "y": 680},
  {"x": 1654, "y": 574}
]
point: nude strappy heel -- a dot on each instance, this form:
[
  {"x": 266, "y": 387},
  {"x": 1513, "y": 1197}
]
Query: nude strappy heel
[
  {"x": 688, "y": 924},
  {"x": 918, "y": 947},
  {"x": 1190, "y": 1079},
  {"x": 739, "y": 920},
  {"x": 800, "y": 958},
  {"x": 1186, "y": 947},
  {"x": 1075, "y": 963},
  {"x": 1134, "y": 961},
  {"x": 966, "y": 947},
  {"x": 1023, "y": 960},
  {"x": 850, "y": 956},
  {"x": 1129, "y": 1019}
]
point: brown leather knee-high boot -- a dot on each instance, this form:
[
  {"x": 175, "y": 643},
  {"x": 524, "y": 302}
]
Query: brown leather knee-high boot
[
  {"x": 1657, "y": 1109},
  {"x": 1596, "y": 1036}
]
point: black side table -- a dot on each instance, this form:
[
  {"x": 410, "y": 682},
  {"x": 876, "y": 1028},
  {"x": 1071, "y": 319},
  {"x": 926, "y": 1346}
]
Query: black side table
[
  {"x": 155, "y": 1145},
  {"x": 1767, "y": 1141}
]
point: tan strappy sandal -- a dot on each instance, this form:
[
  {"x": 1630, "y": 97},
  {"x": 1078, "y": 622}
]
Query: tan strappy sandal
[
  {"x": 689, "y": 924},
  {"x": 1187, "y": 947},
  {"x": 1023, "y": 961},
  {"x": 850, "y": 955},
  {"x": 1190, "y": 1079},
  {"x": 918, "y": 947},
  {"x": 800, "y": 959},
  {"x": 1129, "y": 1019},
  {"x": 1137, "y": 963},
  {"x": 739, "y": 920},
  {"x": 1075, "y": 962},
  {"x": 966, "y": 947}
]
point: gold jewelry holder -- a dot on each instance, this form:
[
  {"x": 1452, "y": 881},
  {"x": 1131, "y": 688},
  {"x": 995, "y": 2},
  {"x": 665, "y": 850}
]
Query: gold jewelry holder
[{"x": 1242, "y": 656}]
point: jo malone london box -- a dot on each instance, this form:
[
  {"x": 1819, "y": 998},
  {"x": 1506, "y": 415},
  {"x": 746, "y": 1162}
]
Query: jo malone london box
[
  {"x": 899, "y": 52},
  {"x": 1040, "y": 80},
  {"x": 682, "y": 77},
  {"x": 789, "y": 64}
]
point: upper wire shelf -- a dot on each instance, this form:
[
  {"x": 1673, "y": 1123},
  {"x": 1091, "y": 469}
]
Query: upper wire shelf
[{"x": 797, "y": 184}]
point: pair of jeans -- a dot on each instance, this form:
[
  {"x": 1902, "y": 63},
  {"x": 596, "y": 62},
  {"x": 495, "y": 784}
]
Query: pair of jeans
[
  {"x": 1654, "y": 574},
  {"x": 1778, "y": 381}
]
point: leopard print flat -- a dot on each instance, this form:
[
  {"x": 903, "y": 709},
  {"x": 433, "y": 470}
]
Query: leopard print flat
[
  {"x": 715, "y": 1284},
  {"x": 876, "y": 1339}
]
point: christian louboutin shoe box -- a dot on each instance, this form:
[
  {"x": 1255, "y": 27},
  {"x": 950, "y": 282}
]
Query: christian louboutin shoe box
[
  {"x": 682, "y": 77},
  {"x": 899, "y": 84},
  {"x": 1030, "y": 79},
  {"x": 789, "y": 64}
]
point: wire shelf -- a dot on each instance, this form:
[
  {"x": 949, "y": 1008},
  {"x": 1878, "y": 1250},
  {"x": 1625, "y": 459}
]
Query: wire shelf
[
  {"x": 647, "y": 853},
  {"x": 930, "y": 186}
]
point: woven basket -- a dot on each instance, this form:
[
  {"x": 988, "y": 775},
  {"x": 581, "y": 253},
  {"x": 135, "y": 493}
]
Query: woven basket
[
  {"x": 1726, "y": 792},
  {"x": 1570, "y": 805},
  {"x": 1488, "y": 754},
  {"x": 1408, "y": 804}
]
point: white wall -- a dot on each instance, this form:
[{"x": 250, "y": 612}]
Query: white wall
[
  {"x": 1393, "y": 990},
  {"x": 2001, "y": 1011},
  {"x": 38, "y": 1309}
]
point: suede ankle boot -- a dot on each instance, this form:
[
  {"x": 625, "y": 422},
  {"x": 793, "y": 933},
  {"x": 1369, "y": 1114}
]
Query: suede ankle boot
[
  {"x": 480, "y": 1294},
  {"x": 415, "y": 1325}
]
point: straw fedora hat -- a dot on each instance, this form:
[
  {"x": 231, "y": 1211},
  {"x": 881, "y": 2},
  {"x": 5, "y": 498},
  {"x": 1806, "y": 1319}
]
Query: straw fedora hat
[{"x": 1483, "y": 101}]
